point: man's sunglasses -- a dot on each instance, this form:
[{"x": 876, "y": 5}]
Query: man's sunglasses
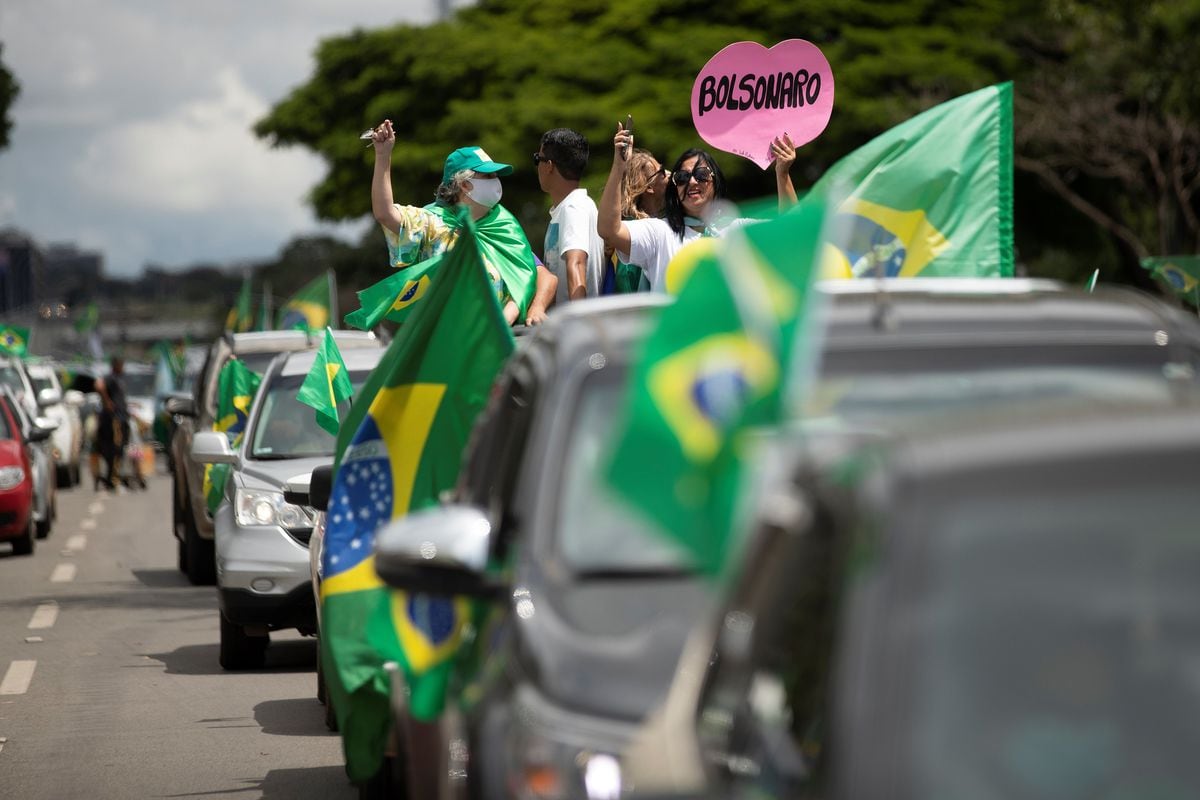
[
  {"x": 538, "y": 158},
  {"x": 701, "y": 174}
]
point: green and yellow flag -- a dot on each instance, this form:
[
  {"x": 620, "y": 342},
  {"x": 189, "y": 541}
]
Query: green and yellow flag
[
  {"x": 14, "y": 340},
  {"x": 717, "y": 362},
  {"x": 89, "y": 319},
  {"x": 1180, "y": 273},
  {"x": 410, "y": 425},
  {"x": 931, "y": 197},
  {"x": 241, "y": 317},
  {"x": 236, "y": 387},
  {"x": 503, "y": 249},
  {"x": 307, "y": 309},
  {"x": 326, "y": 384}
]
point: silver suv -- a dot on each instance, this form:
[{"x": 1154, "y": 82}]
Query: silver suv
[
  {"x": 262, "y": 555},
  {"x": 195, "y": 412}
]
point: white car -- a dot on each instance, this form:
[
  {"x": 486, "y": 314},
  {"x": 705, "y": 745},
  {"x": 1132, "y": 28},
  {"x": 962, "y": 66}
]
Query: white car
[{"x": 64, "y": 409}]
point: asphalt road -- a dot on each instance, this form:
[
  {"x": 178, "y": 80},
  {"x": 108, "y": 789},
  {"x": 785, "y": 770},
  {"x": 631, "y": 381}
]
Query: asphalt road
[{"x": 109, "y": 681}]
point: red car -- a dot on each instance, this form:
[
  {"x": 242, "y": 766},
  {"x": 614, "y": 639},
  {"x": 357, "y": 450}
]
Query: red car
[{"x": 16, "y": 483}]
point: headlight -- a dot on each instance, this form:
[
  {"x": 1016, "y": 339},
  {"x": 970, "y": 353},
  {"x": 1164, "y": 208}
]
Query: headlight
[
  {"x": 560, "y": 754},
  {"x": 11, "y": 476},
  {"x": 262, "y": 508}
]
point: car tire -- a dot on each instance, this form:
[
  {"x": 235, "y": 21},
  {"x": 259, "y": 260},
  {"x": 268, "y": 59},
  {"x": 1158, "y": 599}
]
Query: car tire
[
  {"x": 387, "y": 784},
  {"x": 199, "y": 557},
  {"x": 42, "y": 526},
  {"x": 238, "y": 650},
  {"x": 23, "y": 545}
]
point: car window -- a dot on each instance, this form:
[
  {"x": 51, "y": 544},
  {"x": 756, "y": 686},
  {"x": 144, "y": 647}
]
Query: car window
[
  {"x": 10, "y": 376},
  {"x": 6, "y": 428},
  {"x": 287, "y": 428},
  {"x": 1041, "y": 628},
  {"x": 138, "y": 384},
  {"x": 598, "y": 532},
  {"x": 40, "y": 383}
]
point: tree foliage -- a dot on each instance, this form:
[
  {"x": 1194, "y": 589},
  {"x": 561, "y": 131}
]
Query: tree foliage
[
  {"x": 9, "y": 89},
  {"x": 500, "y": 73},
  {"x": 1110, "y": 120}
]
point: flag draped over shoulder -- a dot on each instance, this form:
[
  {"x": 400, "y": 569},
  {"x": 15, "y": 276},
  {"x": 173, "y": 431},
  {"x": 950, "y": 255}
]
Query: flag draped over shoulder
[
  {"x": 14, "y": 340},
  {"x": 326, "y": 384},
  {"x": 236, "y": 387},
  {"x": 307, "y": 309},
  {"x": 717, "y": 362},
  {"x": 241, "y": 317},
  {"x": 931, "y": 197},
  {"x": 502, "y": 246},
  {"x": 1181, "y": 273},
  {"x": 400, "y": 447}
]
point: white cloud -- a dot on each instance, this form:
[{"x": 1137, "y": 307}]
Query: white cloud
[{"x": 202, "y": 156}]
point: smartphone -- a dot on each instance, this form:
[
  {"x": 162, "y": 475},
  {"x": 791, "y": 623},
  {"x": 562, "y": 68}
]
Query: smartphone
[{"x": 629, "y": 130}]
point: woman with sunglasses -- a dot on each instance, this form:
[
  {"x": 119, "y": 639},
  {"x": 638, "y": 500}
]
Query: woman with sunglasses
[{"x": 691, "y": 207}]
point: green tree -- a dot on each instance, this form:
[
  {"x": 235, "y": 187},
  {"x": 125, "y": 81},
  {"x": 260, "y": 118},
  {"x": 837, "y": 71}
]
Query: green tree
[
  {"x": 1110, "y": 122},
  {"x": 501, "y": 73},
  {"x": 9, "y": 89}
]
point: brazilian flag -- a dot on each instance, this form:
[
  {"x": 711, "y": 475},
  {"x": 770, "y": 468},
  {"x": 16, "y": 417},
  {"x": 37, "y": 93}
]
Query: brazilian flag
[
  {"x": 14, "y": 340},
  {"x": 236, "y": 387},
  {"x": 727, "y": 355},
  {"x": 1180, "y": 273},
  {"x": 932, "y": 196},
  {"x": 241, "y": 317},
  {"x": 502, "y": 246},
  {"x": 399, "y": 448},
  {"x": 88, "y": 320},
  {"x": 307, "y": 309},
  {"x": 326, "y": 384}
]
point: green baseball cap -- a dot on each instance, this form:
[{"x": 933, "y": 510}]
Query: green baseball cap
[{"x": 473, "y": 158}]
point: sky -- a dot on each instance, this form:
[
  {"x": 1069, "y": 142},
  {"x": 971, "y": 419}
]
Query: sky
[{"x": 132, "y": 133}]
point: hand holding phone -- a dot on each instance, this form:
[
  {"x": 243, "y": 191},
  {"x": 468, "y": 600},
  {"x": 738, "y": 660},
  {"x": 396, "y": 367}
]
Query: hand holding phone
[{"x": 629, "y": 130}]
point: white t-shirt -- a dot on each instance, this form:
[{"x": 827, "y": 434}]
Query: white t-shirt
[
  {"x": 573, "y": 227},
  {"x": 652, "y": 245}
]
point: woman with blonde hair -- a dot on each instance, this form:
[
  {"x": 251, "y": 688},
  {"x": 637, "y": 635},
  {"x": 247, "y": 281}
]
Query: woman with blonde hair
[{"x": 643, "y": 195}]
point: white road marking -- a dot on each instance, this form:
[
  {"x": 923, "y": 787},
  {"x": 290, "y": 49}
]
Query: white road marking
[
  {"x": 63, "y": 573},
  {"x": 77, "y": 542},
  {"x": 87, "y": 525},
  {"x": 18, "y": 677},
  {"x": 96, "y": 507},
  {"x": 44, "y": 616}
]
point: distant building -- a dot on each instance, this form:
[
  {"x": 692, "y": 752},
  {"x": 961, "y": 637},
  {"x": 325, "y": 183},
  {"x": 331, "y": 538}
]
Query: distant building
[
  {"x": 72, "y": 275},
  {"x": 21, "y": 267}
]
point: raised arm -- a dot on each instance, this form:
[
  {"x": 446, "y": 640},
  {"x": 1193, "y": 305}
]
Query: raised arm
[
  {"x": 382, "y": 204},
  {"x": 785, "y": 156},
  {"x": 608, "y": 220}
]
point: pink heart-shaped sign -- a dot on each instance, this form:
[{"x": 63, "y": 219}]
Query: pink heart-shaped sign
[{"x": 746, "y": 95}]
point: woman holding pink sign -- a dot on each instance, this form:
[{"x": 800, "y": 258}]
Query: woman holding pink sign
[{"x": 692, "y": 208}]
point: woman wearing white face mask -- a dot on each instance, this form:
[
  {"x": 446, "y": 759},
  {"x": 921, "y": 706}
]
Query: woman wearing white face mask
[{"x": 469, "y": 178}]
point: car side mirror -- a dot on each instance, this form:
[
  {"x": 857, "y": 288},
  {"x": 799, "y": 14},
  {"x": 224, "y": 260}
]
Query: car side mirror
[
  {"x": 181, "y": 404},
  {"x": 212, "y": 447},
  {"x": 47, "y": 424},
  {"x": 442, "y": 551},
  {"x": 39, "y": 432},
  {"x": 320, "y": 487},
  {"x": 49, "y": 397},
  {"x": 295, "y": 490},
  {"x": 74, "y": 398}
]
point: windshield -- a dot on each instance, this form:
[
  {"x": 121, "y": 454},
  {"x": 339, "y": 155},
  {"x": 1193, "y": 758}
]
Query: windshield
[
  {"x": 11, "y": 378},
  {"x": 138, "y": 384},
  {"x": 287, "y": 428},
  {"x": 597, "y": 531},
  {"x": 1056, "y": 657}
]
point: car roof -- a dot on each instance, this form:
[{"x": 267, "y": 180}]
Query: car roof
[
  {"x": 911, "y": 309},
  {"x": 605, "y": 324},
  {"x": 299, "y": 363},
  {"x": 280, "y": 341}
]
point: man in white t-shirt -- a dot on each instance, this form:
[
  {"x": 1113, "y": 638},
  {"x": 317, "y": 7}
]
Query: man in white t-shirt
[{"x": 574, "y": 251}]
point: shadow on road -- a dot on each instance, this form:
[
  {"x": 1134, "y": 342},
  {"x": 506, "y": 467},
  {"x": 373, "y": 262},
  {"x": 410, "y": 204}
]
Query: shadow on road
[
  {"x": 295, "y": 716},
  {"x": 322, "y": 782},
  {"x": 162, "y": 578},
  {"x": 201, "y": 659}
]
